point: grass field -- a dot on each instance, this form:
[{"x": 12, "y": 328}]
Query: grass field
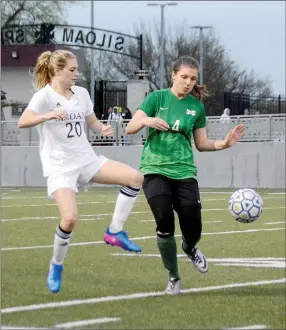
[{"x": 106, "y": 288}]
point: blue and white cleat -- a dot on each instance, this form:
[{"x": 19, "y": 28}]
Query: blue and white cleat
[
  {"x": 121, "y": 239},
  {"x": 54, "y": 278}
]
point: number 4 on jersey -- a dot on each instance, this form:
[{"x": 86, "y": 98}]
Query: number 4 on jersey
[{"x": 176, "y": 125}]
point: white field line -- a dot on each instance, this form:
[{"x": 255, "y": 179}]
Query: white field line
[
  {"x": 107, "y": 202},
  {"x": 18, "y": 328},
  {"x": 75, "y": 324},
  {"x": 52, "y": 218},
  {"x": 110, "y": 214},
  {"x": 278, "y": 193},
  {"x": 138, "y": 239},
  {"x": 249, "y": 327},
  {"x": 274, "y": 223},
  {"x": 234, "y": 260},
  {"x": 87, "y": 219},
  {"x": 96, "y": 195},
  {"x": 153, "y": 220},
  {"x": 70, "y": 325},
  {"x": 11, "y": 190},
  {"x": 94, "y": 202},
  {"x": 38, "y": 196},
  {"x": 139, "y": 295},
  {"x": 53, "y": 204},
  {"x": 81, "y": 216},
  {"x": 279, "y": 263},
  {"x": 43, "y": 191}
]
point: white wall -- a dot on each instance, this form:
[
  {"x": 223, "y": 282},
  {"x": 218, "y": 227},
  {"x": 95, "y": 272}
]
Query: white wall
[
  {"x": 136, "y": 92},
  {"x": 17, "y": 83},
  {"x": 253, "y": 165}
]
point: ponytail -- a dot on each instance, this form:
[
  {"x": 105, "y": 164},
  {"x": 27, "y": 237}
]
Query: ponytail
[
  {"x": 41, "y": 72},
  {"x": 200, "y": 91}
]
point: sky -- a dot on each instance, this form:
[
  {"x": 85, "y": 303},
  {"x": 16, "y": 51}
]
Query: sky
[{"x": 253, "y": 32}]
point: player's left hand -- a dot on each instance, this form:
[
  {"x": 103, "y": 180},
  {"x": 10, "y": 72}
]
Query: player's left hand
[
  {"x": 107, "y": 130},
  {"x": 234, "y": 135}
]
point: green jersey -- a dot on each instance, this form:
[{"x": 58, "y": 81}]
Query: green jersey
[{"x": 170, "y": 152}]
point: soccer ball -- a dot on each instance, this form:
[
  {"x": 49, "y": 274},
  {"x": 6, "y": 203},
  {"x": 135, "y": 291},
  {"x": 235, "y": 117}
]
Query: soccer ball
[{"x": 245, "y": 205}]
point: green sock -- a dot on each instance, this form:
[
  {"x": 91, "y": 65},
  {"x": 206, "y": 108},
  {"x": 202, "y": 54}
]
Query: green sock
[{"x": 168, "y": 251}]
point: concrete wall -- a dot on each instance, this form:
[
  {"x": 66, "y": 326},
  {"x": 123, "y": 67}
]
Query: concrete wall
[
  {"x": 17, "y": 83},
  {"x": 256, "y": 165}
]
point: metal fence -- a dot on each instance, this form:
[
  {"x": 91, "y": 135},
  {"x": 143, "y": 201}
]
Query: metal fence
[
  {"x": 114, "y": 93},
  {"x": 109, "y": 94},
  {"x": 238, "y": 102},
  {"x": 257, "y": 128}
]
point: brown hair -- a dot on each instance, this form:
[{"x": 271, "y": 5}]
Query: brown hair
[
  {"x": 200, "y": 91},
  {"x": 47, "y": 65}
]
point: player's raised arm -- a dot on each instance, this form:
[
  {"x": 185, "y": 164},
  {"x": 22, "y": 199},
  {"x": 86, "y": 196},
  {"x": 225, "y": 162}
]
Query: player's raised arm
[
  {"x": 141, "y": 120},
  {"x": 136, "y": 123},
  {"x": 29, "y": 118},
  {"x": 203, "y": 143},
  {"x": 146, "y": 116}
]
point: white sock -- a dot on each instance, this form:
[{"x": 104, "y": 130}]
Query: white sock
[
  {"x": 124, "y": 205},
  {"x": 61, "y": 245}
]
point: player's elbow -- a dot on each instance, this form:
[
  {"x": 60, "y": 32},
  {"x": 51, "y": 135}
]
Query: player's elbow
[
  {"x": 21, "y": 123},
  {"x": 199, "y": 146},
  {"x": 200, "y": 149},
  {"x": 130, "y": 129}
]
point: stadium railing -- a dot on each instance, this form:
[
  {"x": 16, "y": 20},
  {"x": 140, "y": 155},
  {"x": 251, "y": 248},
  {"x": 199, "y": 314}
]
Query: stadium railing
[{"x": 257, "y": 128}]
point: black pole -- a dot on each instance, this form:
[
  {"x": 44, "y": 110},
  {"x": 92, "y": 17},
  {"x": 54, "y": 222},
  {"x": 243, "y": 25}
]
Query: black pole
[
  {"x": 141, "y": 51},
  {"x": 279, "y": 103}
]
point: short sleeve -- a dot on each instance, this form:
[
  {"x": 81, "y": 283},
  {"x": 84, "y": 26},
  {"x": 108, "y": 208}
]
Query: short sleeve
[
  {"x": 149, "y": 104},
  {"x": 38, "y": 104},
  {"x": 89, "y": 105},
  {"x": 201, "y": 119}
]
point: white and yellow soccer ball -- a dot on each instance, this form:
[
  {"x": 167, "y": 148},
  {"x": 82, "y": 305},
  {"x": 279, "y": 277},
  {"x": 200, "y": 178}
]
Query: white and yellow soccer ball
[{"x": 245, "y": 205}]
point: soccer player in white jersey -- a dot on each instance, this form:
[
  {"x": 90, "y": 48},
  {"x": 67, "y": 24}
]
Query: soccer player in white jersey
[{"x": 59, "y": 110}]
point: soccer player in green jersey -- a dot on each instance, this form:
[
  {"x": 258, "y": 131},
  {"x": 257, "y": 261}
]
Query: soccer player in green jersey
[{"x": 167, "y": 163}]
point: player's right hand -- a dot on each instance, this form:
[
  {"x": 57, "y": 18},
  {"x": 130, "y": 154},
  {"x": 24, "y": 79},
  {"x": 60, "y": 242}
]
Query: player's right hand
[
  {"x": 156, "y": 123},
  {"x": 57, "y": 114}
]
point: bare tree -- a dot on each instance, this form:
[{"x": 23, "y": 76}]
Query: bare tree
[
  {"x": 220, "y": 72},
  {"x": 33, "y": 12},
  {"x": 103, "y": 69}
]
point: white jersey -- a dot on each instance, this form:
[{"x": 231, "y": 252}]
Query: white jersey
[{"x": 64, "y": 146}]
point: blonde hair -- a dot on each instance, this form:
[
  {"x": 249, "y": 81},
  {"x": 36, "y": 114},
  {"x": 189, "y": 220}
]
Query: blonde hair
[{"x": 47, "y": 65}]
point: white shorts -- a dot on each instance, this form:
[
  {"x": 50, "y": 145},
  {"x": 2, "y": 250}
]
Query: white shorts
[{"x": 76, "y": 178}]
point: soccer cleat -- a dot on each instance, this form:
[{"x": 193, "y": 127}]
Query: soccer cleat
[
  {"x": 197, "y": 258},
  {"x": 54, "y": 278},
  {"x": 174, "y": 287},
  {"x": 121, "y": 239}
]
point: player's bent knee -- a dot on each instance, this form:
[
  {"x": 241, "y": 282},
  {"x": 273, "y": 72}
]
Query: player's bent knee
[
  {"x": 165, "y": 229},
  {"x": 136, "y": 180},
  {"x": 68, "y": 222}
]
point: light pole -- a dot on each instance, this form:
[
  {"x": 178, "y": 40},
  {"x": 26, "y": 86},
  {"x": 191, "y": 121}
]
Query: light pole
[
  {"x": 162, "y": 57},
  {"x": 92, "y": 56},
  {"x": 201, "y": 28}
]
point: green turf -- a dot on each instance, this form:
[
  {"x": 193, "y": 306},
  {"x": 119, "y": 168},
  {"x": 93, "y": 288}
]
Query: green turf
[{"x": 94, "y": 271}]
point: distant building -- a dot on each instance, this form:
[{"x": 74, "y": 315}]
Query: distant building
[{"x": 17, "y": 64}]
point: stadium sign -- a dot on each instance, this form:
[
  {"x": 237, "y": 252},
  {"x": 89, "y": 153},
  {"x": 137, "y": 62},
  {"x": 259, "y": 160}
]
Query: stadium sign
[{"x": 74, "y": 36}]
